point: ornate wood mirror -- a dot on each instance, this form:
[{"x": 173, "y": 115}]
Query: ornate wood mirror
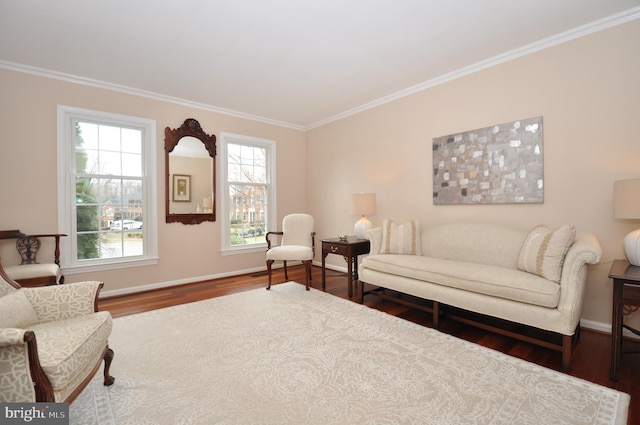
[{"x": 190, "y": 174}]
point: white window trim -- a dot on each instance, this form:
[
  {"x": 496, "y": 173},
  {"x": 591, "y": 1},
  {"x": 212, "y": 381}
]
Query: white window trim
[
  {"x": 226, "y": 247},
  {"x": 66, "y": 189}
]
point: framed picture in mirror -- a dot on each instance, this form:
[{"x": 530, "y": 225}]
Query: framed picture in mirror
[{"x": 181, "y": 188}]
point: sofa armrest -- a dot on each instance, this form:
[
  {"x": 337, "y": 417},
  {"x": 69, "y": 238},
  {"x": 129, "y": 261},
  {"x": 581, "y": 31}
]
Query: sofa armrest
[
  {"x": 375, "y": 240},
  {"x": 584, "y": 251},
  {"x": 59, "y": 302}
]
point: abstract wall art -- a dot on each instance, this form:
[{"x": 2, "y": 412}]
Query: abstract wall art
[{"x": 500, "y": 164}]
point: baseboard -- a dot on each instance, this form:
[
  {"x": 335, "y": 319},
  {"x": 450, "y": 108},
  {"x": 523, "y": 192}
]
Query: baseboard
[
  {"x": 606, "y": 329},
  {"x": 194, "y": 279},
  {"x": 587, "y": 324}
]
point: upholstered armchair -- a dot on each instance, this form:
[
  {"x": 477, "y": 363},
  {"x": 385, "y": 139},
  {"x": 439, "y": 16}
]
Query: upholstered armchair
[
  {"x": 52, "y": 340},
  {"x": 297, "y": 243}
]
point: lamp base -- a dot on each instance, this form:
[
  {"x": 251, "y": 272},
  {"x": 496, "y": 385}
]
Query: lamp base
[
  {"x": 632, "y": 247},
  {"x": 361, "y": 227}
]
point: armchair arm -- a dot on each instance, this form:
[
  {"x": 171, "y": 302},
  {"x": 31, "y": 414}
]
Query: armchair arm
[
  {"x": 11, "y": 336},
  {"x": 60, "y": 302},
  {"x": 268, "y": 238},
  {"x": 21, "y": 376}
]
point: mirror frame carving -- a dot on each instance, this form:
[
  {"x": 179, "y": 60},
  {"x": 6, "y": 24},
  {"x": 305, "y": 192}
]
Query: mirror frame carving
[{"x": 190, "y": 127}]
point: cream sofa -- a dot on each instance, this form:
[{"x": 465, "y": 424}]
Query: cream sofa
[
  {"x": 52, "y": 340},
  {"x": 480, "y": 267}
]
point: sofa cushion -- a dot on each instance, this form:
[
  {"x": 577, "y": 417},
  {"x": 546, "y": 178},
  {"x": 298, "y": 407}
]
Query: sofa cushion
[
  {"x": 491, "y": 280},
  {"x": 544, "y": 249},
  {"x": 16, "y": 311},
  {"x": 65, "y": 346},
  {"x": 401, "y": 238}
]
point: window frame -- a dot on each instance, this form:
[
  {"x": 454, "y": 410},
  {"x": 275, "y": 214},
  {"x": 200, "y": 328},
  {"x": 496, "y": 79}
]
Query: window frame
[
  {"x": 226, "y": 203},
  {"x": 67, "y": 116}
]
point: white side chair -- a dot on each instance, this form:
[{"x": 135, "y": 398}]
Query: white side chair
[{"x": 297, "y": 243}]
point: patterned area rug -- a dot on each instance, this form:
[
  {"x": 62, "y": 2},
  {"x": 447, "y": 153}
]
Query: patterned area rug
[{"x": 288, "y": 356}]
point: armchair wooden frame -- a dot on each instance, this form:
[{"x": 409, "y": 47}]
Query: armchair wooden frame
[
  {"x": 42, "y": 386},
  {"x": 307, "y": 263}
]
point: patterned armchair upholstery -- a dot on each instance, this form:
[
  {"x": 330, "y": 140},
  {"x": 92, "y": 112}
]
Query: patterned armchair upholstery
[{"x": 52, "y": 340}]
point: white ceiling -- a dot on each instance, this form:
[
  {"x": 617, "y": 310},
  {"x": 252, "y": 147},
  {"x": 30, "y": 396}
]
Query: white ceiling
[{"x": 293, "y": 62}]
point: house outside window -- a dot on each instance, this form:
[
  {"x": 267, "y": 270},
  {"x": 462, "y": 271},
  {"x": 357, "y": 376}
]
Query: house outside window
[
  {"x": 106, "y": 176},
  {"x": 248, "y": 195}
]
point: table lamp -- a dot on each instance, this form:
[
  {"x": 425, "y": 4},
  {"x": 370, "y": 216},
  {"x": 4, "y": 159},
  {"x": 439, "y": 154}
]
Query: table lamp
[
  {"x": 207, "y": 205},
  {"x": 363, "y": 204},
  {"x": 626, "y": 205}
]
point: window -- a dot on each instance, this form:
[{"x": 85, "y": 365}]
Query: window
[
  {"x": 248, "y": 196},
  {"x": 107, "y": 186}
]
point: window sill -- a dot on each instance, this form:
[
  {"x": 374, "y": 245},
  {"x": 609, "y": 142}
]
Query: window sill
[
  {"x": 242, "y": 250},
  {"x": 120, "y": 264}
]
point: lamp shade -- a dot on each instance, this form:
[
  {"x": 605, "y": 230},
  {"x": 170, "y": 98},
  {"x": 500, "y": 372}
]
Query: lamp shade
[
  {"x": 207, "y": 203},
  {"x": 626, "y": 205},
  {"x": 363, "y": 204},
  {"x": 626, "y": 199}
]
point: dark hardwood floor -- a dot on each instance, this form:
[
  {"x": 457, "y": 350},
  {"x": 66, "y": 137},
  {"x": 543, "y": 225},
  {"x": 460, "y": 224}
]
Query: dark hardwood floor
[{"x": 590, "y": 359}]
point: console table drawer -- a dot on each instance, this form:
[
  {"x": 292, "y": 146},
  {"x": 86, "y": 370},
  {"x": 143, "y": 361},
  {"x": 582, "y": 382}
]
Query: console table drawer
[{"x": 335, "y": 249}]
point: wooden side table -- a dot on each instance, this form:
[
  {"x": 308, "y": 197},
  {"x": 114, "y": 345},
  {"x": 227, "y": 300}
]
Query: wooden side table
[
  {"x": 626, "y": 291},
  {"x": 349, "y": 249}
]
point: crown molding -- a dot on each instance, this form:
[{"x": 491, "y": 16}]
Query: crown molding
[
  {"x": 578, "y": 32},
  {"x": 76, "y": 79}
]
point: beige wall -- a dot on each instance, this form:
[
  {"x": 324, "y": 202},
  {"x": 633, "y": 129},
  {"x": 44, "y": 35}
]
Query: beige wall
[
  {"x": 587, "y": 91},
  {"x": 28, "y": 172}
]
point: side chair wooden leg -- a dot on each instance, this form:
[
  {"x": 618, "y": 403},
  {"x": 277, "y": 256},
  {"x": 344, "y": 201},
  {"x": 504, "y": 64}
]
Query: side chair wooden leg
[
  {"x": 286, "y": 275},
  {"x": 307, "y": 273},
  {"x": 269, "y": 263}
]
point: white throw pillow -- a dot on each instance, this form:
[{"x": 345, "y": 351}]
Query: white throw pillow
[
  {"x": 401, "y": 238},
  {"x": 16, "y": 311},
  {"x": 544, "y": 249}
]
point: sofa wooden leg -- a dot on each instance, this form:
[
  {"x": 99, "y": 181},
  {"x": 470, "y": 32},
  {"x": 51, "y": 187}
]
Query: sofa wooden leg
[
  {"x": 108, "y": 357},
  {"x": 436, "y": 314},
  {"x": 567, "y": 348}
]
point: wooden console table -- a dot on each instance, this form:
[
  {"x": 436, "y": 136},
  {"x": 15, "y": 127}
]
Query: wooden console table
[
  {"x": 626, "y": 291},
  {"x": 349, "y": 249}
]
